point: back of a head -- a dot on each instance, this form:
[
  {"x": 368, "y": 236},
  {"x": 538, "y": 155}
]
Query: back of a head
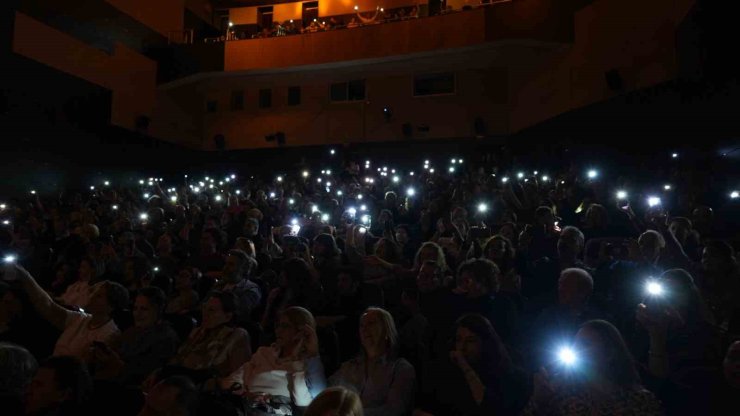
[
  {"x": 482, "y": 271},
  {"x": 335, "y": 401},
  {"x": 621, "y": 368},
  {"x": 328, "y": 241},
  {"x": 581, "y": 278},
  {"x": 117, "y": 295},
  {"x": 17, "y": 367}
]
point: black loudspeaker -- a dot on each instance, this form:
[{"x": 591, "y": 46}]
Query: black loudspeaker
[
  {"x": 220, "y": 141},
  {"x": 142, "y": 123},
  {"x": 479, "y": 127},
  {"x": 407, "y": 129},
  {"x": 613, "y": 80}
]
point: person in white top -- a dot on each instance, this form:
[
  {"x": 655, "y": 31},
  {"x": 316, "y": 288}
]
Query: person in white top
[
  {"x": 80, "y": 330},
  {"x": 78, "y": 293},
  {"x": 290, "y": 371}
]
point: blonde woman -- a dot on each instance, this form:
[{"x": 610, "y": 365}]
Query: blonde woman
[
  {"x": 335, "y": 401},
  {"x": 384, "y": 382},
  {"x": 288, "y": 373}
]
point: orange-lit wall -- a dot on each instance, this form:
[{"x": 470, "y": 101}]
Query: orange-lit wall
[
  {"x": 634, "y": 37},
  {"x": 280, "y": 13},
  {"x": 243, "y": 15},
  {"x": 287, "y": 11},
  {"x": 451, "y": 31},
  {"x": 164, "y": 16},
  {"x": 523, "y": 19},
  {"x": 338, "y": 7},
  {"x": 570, "y": 52},
  {"x": 130, "y": 76}
]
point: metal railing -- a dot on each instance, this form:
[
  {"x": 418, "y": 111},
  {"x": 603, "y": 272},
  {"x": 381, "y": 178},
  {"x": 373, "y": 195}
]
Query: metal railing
[{"x": 183, "y": 37}]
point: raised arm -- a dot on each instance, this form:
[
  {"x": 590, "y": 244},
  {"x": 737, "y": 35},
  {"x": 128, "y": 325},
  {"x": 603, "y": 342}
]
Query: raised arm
[{"x": 41, "y": 301}]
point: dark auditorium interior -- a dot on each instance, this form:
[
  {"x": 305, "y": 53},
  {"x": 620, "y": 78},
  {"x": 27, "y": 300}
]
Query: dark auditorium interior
[{"x": 369, "y": 208}]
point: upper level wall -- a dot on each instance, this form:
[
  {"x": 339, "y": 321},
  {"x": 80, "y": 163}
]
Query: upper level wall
[
  {"x": 129, "y": 75},
  {"x": 339, "y": 7},
  {"x": 164, "y": 16},
  {"x": 635, "y": 39},
  {"x": 525, "y": 19}
]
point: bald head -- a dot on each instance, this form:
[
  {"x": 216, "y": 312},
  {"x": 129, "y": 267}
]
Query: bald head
[{"x": 575, "y": 287}]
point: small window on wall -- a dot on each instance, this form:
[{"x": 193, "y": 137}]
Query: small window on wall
[
  {"x": 237, "y": 100},
  {"x": 434, "y": 84},
  {"x": 347, "y": 91},
  {"x": 265, "y": 98},
  {"x": 211, "y": 106},
  {"x": 294, "y": 96}
]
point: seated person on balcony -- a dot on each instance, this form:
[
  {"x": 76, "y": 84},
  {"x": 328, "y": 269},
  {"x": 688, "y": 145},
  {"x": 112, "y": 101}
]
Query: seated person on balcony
[
  {"x": 369, "y": 20},
  {"x": 353, "y": 23}
]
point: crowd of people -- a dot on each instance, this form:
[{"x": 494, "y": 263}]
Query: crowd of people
[
  {"x": 379, "y": 15},
  {"x": 354, "y": 288}
]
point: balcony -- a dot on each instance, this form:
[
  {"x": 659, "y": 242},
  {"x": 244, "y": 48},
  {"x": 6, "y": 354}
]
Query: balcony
[{"x": 530, "y": 20}]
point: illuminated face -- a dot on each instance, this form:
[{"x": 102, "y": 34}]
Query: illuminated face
[{"x": 402, "y": 236}]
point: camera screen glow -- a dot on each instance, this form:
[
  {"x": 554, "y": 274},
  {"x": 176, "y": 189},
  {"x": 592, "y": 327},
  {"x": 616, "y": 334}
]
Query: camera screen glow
[
  {"x": 621, "y": 194},
  {"x": 592, "y": 174},
  {"x": 733, "y": 195},
  {"x": 411, "y": 192},
  {"x": 482, "y": 207}
]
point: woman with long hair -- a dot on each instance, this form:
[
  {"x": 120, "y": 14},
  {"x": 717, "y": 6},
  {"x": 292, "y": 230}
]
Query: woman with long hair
[
  {"x": 478, "y": 378},
  {"x": 595, "y": 376}
]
